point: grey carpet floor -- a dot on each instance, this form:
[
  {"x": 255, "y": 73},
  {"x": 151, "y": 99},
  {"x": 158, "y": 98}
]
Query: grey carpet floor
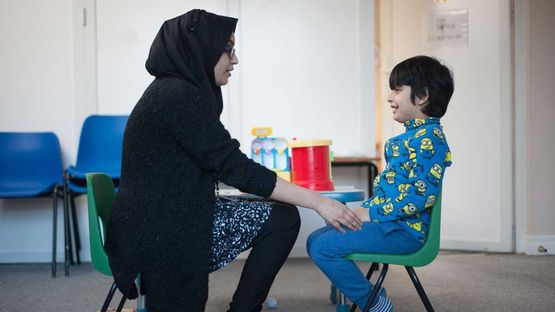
[{"x": 455, "y": 281}]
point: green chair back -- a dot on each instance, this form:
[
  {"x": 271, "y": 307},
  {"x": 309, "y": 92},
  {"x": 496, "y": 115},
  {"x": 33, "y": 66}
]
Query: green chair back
[
  {"x": 101, "y": 197},
  {"x": 420, "y": 258}
]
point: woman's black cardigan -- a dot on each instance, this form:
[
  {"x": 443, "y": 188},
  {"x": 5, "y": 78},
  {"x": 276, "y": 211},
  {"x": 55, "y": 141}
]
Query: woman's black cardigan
[{"x": 174, "y": 149}]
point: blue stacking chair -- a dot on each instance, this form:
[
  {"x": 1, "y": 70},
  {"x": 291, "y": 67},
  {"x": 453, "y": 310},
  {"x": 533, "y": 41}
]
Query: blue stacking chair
[
  {"x": 100, "y": 148},
  {"x": 31, "y": 166}
]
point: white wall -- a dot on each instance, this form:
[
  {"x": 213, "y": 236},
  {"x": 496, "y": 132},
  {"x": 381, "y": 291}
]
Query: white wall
[
  {"x": 477, "y": 204},
  {"x": 36, "y": 94},
  {"x": 125, "y": 31},
  {"x": 535, "y": 111}
]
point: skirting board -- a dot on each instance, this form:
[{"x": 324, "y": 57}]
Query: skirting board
[
  {"x": 475, "y": 245},
  {"x": 540, "y": 245}
]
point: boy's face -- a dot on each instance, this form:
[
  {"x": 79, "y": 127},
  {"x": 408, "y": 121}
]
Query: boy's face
[{"x": 402, "y": 106}]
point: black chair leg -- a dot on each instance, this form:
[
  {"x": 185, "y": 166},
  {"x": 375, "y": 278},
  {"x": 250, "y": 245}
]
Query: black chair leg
[
  {"x": 54, "y": 228},
  {"x": 69, "y": 233},
  {"x": 376, "y": 288},
  {"x": 121, "y": 303},
  {"x": 419, "y": 288},
  {"x": 76, "y": 238},
  {"x": 373, "y": 267},
  {"x": 109, "y": 297},
  {"x": 66, "y": 231}
]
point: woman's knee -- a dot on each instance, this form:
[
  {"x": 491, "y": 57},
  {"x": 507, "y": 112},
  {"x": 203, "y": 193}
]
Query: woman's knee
[{"x": 286, "y": 217}]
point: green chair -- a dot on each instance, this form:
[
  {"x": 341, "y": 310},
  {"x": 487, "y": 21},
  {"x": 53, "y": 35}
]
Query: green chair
[
  {"x": 101, "y": 197},
  {"x": 422, "y": 257}
]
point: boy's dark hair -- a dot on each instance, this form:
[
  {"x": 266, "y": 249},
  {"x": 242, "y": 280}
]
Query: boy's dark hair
[{"x": 426, "y": 76}]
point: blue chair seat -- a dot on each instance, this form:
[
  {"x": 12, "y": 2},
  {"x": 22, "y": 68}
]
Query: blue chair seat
[
  {"x": 77, "y": 185},
  {"x": 80, "y": 173},
  {"x": 25, "y": 189},
  {"x": 79, "y": 189}
]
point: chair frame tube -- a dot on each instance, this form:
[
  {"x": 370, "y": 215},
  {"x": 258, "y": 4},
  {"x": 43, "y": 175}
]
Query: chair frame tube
[
  {"x": 109, "y": 297},
  {"x": 54, "y": 228},
  {"x": 376, "y": 288},
  {"x": 419, "y": 288},
  {"x": 75, "y": 222},
  {"x": 373, "y": 267},
  {"x": 66, "y": 231}
]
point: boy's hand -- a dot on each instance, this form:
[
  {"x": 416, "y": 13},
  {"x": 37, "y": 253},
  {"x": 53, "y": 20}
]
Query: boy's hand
[
  {"x": 363, "y": 214},
  {"x": 337, "y": 214}
]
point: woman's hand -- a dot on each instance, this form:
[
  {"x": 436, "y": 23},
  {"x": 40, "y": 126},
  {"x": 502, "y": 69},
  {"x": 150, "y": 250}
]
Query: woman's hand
[
  {"x": 363, "y": 214},
  {"x": 337, "y": 214},
  {"x": 334, "y": 212}
]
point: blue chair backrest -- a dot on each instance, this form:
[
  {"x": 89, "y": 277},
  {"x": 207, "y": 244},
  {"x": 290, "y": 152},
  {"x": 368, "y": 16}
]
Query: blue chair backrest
[
  {"x": 101, "y": 142},
  {"x": 30, "y": 158}
]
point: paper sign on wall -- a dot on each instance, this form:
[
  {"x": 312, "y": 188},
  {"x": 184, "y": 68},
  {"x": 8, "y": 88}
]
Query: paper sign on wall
[{"x": 449, "y": 28}]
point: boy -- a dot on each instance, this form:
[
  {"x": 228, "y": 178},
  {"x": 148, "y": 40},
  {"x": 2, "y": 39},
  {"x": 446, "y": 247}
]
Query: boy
[{"x": 396, "y": 218}]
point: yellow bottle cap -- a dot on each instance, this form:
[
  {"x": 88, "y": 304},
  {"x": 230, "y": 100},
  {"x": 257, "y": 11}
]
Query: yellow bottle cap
[{"x": 261, "y": 131}]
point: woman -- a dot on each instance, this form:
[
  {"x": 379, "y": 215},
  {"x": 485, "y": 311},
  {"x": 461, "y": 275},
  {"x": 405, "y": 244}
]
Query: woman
[{"x": 167, "y": 224}]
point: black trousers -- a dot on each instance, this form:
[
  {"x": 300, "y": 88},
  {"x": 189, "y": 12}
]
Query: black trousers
[{"x": 269, "y": 251}]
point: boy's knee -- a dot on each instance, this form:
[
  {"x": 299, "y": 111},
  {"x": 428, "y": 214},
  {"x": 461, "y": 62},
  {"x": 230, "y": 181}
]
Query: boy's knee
[
  {"x": 318, "y": 248},
  {"x": 311, "y": 238}
]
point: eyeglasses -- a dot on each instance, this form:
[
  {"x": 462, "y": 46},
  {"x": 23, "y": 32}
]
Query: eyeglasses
[{"x": 230, "y": 50}]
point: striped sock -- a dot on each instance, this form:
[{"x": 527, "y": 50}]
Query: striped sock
[{"x": 383, "y": 305}]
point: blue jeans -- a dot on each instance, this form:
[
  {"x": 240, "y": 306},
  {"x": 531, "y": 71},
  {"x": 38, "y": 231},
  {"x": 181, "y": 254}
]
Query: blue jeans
[{"x": 327, "y": 247}]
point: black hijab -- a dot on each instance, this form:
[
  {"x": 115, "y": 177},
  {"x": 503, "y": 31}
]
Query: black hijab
[{"x": 189, "y": 46}]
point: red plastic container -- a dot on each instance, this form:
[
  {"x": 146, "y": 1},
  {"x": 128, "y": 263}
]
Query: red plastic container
[{"x": 310, "y": 164}]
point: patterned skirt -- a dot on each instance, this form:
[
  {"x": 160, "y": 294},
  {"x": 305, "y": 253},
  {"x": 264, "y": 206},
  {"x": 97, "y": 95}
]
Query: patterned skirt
[{"x": 236, "y": 224}]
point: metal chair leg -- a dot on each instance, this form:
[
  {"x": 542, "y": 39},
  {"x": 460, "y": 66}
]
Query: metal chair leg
[
  {"x": 121, "y": 303},
  {"x": 76, "y": 238},
  {"x": 141, "y": 299},
  {"x": 353, "y": 307},
  {"x": 373, "y": 267},
  {"x": 69, "y": 232},
  {"x": 333, "y": 294},
  {"x": 376, "y": 288},
  {"x": 109, "y": 297},
  {"x": 66, "y": 231},
  {"x": 54, "y": 228},
  {"x": 419, "y": 289}
]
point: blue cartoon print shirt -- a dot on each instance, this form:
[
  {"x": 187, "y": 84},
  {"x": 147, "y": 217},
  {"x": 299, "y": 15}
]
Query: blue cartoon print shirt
[{"x": 408, "y": 187}]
